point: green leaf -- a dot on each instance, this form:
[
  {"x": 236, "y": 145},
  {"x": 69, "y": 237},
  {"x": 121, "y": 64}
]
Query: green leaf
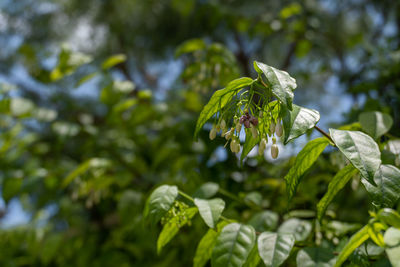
[
  {"x": 210, "y": 210},
  {"x": 206, "y": 245},
  {"x": 386, "y": 193},
  {"x": 374, "y": 232},
  {"x": 233, "y": 245},
  {"x": 338, "y": 182},
  {"x": 206, "y": 190},
  {"x": 86, "y": 78},
  {"x": 264, "y": 221},
  {"x": 159, "y": 202},
  {"x": 281, "y": 83},
  {"x": 249, "y": 144},
  {"x": 375, "y": 123},
  {"x": 390, "y": 217},
  {"x": 360, "y": 149},
  {"x": 304, "y": 160},
  {"x": 315, "y": 257},
  {"x": 190, "y": 46},
  {"x": 113, "y": 61},
  {"x": 253, "y": 259},
  {"x": 219, "y": 99},
  {"x": 392, "y": 240},
  {"x": 171, "y": 228},
  {"x": 298, "y": 121},
  {"x": 355, "y": 241},
  {"x": 274, "y": 248},
  {"x": 92, "y": 163},
  {"x": 300, "y": 229}
]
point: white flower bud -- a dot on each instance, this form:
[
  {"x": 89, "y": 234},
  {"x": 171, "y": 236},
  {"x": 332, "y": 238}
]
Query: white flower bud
[
  {"x": 272, "y": 127},
  {"x": 274, "y": 151},
  {"x": 238, "y": 127},
  {"x": 260, "y": 114},
  {"x": 223, "y": 125},
  {"x": 237, "y": 147},
  {"x": 228, "y": 134},
  {"x": 279, "y": 130},
  {"x": 262, "y": 146},
  {"x": 213, "y": 133},
  {"x": 254, "y": 131},
  {"x": 218, "y": 127}
]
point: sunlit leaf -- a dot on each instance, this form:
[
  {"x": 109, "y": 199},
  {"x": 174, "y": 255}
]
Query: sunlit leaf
[
  {"x": 233, "y": 245},
  {"x": 190, "y": 46},
  {"x": 210, "y": 210},
  {"x": 206, "y": 245},
  {"x": 386, "y": 193},
  {"x": 360, "y": 149},
  {"x": 297, "y": 121},
  {"x": 281, "y": 83},
  {"x": 390, "y": 217},
  {"x": 159, "y": 202},
  {"x": 219, "y": 99},
  {"x": 337, "y": 183},
  {"x": 254, "y": 258},
  {"x": 275, "y": 248},
  {"x": 355, "y": 241},
  {"x": 113, "y": 61},
  {"x": 304, "y": 160}
]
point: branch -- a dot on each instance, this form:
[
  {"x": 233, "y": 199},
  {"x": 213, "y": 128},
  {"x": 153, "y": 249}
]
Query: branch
[{"x": 324, "y": 133}]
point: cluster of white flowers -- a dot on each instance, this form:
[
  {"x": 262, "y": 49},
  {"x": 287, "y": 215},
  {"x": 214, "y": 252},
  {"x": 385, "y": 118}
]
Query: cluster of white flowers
[{"x": 250, "y": 122}]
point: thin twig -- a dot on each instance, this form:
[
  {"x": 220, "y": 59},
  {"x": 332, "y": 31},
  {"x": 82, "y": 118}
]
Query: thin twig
[{"x": 324, "y": 133}]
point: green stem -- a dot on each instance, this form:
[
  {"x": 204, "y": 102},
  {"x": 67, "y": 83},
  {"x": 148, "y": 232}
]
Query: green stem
[
  {"x": 186, "y": 196},
  {"x": 324, "y": 133}
]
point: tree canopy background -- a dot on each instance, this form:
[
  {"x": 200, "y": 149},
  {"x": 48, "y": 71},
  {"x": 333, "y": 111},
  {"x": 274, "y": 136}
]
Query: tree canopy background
[{"x": 99, "y": 100}]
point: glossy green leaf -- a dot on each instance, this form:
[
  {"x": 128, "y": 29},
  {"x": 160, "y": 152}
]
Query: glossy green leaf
[
  {"x": 219, "y": 99},
  {"x": 275, "y": 248},
  {"x": 392, "y": 240},
  {"x": 300, "y": 229},
  {"x": 254, "y": 258},
  {"x": 264, "y": 221},
  {"x": 206, "y": 245},
  {"x": 159, "y": 202},
  {"x": 281, "y": 83},
  {"x": 337, "y": 183},
  {"x": 315, "y": 257},
  {"x": 233, "y": 245},
  {"x": 360, "y": 149},
  {"x": 113, "y": 61},
  {"x": 210, "y": 210},
  {"x": 304, "y": 160},
  {"x": 375, "y": 123},
  {"x": 171, "y": 228},
  {"x": 297, "y": 121},
  {"x": 390, "y": 217},
  {"x": 355, "y": 241},
  {"x": 386, "y": 193}
]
